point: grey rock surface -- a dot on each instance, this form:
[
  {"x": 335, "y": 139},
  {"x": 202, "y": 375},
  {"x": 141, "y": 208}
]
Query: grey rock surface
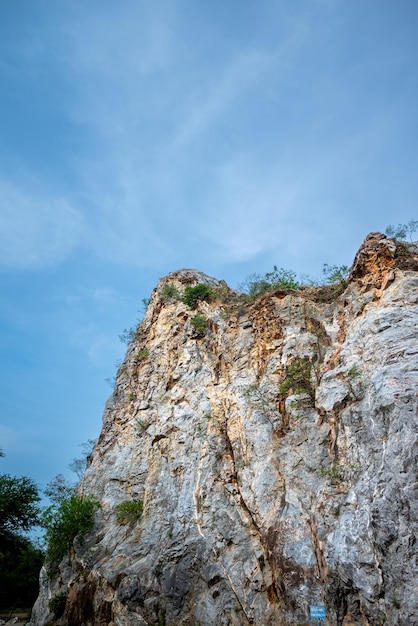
[{"x": 275, "y": 454}]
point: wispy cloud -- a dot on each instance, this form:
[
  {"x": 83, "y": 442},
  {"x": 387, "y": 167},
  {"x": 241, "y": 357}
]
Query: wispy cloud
[
  {"x": 182, "y": 155},
  {"x": 35, "y": 230}
]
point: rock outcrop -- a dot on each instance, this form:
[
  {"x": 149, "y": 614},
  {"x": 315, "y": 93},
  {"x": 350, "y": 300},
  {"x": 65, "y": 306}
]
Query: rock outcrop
[{"x": 275, "y": 450}]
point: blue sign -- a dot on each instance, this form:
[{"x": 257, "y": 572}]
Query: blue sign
[{"x": 318, "y": 611}]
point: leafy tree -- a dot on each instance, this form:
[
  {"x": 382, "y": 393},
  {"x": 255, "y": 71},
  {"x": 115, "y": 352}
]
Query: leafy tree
[
  {"x": 19, "y": 498},
  {"x": 79, "y": 465},
  {"x": 402, "y": 231},
  {"x": 20, "y": 559},
  {"x": 58, "y": 489},
  {"x": 20, "y": 564},
  {"x": 335, "y": 273},
  {"x": 69, "y": 516}
]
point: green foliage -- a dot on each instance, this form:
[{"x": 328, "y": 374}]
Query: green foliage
[
  {"x": 79, "y": 465},
  {"x": 301, "y": 403},
  {"x": 57, "y": 604},
  {"x": 128, "y": 335},
  {"x": 20, "y": 563},
  {"x": 129, "y": 511},
  {"x": 70, "y": 517},
  {"x": 334, "y": 472},
  {"x": 252, "y": 392},
  {"x": 58, "y": 489},
  {"x": 354, "y": 372},
  {"x": 170, "y": 293},
  {"x": 141, "y": 355},
  {"x": 199, "y": 323},
  {"x": 298, "y": 377},
  {"x": 402, "y": 231},
  {"x": 20, "y": 559},
  {"x": 142, "y": 426},
  {"x": 354, "y": 383},
  {"x": 145, "y": 304},
  {"x": 192, "y": 295},
  {"x": 19, "y": 498},
  {"x": 279, "y": 278},
  {"x": 335, "y": 273}
]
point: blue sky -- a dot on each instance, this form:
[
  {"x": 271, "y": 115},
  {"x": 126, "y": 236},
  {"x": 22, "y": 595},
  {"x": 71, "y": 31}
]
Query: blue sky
[{"x": 141, "y": 137}]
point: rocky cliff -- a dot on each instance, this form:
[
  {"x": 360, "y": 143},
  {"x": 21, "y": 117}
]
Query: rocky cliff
[{"x": 274, "y": 446}]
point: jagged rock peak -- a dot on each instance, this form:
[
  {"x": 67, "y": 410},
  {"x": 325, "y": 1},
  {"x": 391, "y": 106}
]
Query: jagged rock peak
[{"x": 275, "y": 452}]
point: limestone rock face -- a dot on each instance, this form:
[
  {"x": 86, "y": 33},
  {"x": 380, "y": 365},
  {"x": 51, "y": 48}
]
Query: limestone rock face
[{"x": 275, "y": 453}]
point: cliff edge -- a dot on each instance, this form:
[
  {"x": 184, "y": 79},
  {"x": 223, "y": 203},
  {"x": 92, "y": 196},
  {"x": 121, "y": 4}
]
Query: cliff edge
[{"x": 274, "y": 447}]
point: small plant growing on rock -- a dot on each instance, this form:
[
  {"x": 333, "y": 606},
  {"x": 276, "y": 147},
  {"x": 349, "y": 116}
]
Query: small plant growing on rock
[
  {"x": 129, "y": 511},
  {"x": 279, "y": 278},
  {"x": 142, "y": 426},
  {"x": 141, "y": 355},
  {"x": 170, "y": 293},
  {"x": 301, "y": 403},
  {"x": 199, "y": 323},
  {"x": 192, "y": 295},
  {"x": 334, "y": 472},
  {"x": 298, "y": 377},
  {"x": 354, "y": 382},
  {"x": 57, "y": 604}
]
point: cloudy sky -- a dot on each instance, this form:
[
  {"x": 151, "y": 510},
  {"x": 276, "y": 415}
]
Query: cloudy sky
[{"x": 138, "y": 137}]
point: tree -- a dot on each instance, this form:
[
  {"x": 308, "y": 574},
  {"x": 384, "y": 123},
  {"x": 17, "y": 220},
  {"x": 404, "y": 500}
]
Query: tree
[
  {"x": 20, "y": 558},
  {"x": 402, "y": 231},
  {"x": 69, "y": 517},
  {"x": 79, "y": 465},
  {"x": 19, "y": 498},
  {"x": 335, "y": 273}
]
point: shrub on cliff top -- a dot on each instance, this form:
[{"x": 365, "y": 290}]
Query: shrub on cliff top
[
  {"x": 279, "y": 278},
  {"x": 192, "y": 295},
  {"x": 402, "y": 231}
]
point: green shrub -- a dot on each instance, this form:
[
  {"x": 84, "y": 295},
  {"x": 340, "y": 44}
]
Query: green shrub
[
  {"x": 279, "y": 278},
  {"x": 142, "y": 426},
  {"x": 199, "y": 323},
  {"x": 141, "y": 355},
  {"x": 298, "y": 377},
  {"x": 354, "y": 383},
  {"x": 334, "y": 472},
  {"x": 354, "y": 372},
  {"x": 402, "y": 231},
  {"x": 335, "y": 274},
  {"x": 192, "y": 295},
  {"x": 129, "y": 511},
  {"x": 57, "y": 604},
  {"x": 128, "y": 335},
  {"x": 170, "y": 293},
  {"x": 71, "y": 517}
]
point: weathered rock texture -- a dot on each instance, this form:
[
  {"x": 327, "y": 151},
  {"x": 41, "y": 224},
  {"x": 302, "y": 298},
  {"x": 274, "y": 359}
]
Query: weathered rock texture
[{"x": 276, "y": 456}]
